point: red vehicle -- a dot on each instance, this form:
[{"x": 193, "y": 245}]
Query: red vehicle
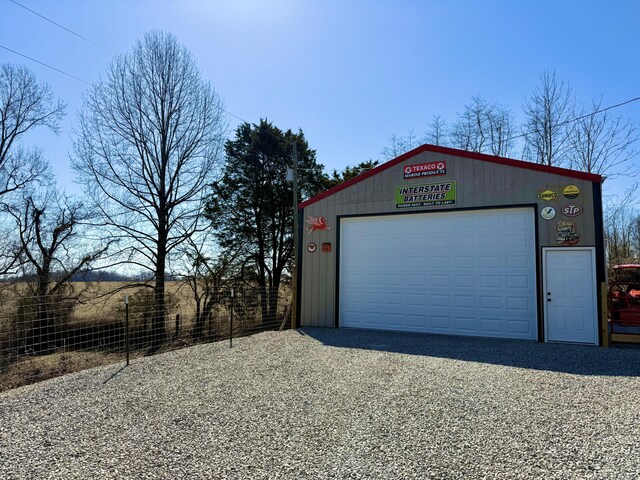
[{"x": 624, "y": 295}]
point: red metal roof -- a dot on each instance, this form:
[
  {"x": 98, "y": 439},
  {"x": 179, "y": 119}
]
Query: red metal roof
[{"x": 458, "y": 153}]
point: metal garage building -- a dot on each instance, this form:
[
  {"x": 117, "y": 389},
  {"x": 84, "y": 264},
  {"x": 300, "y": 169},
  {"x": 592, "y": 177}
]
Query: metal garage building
[{"x": 453, "y": 242}]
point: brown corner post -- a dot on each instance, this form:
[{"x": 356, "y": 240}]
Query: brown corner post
[{"x": 604, "y": 313}]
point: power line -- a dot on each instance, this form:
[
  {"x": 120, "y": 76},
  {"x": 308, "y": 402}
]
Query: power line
[
  {"x": 84, "y": 81},
  {"x": 63, "y": 27},
  {"x": 236, "y": 116},
  {"x": 571, "y": 120},
  {"x": 46, "y": 65},
  {"x": 600, "y": 110},
  {"x": 86, "y": 40}
]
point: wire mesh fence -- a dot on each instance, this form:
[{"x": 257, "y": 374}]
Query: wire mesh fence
[{"x": 50, "y": 335}]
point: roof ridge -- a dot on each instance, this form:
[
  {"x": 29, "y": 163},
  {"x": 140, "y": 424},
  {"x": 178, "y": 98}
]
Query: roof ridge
[{"x": 592, "y": 177}]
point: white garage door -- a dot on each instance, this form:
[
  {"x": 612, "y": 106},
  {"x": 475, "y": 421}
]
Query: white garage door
[{"x": 462, "y": 273}]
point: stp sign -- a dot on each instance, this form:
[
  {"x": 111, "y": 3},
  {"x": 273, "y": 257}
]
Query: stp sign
[{"x": 571, "y": 210}]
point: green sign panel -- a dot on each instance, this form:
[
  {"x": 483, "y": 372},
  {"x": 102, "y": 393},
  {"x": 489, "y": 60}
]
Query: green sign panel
[{"x": 426, "y": 195}]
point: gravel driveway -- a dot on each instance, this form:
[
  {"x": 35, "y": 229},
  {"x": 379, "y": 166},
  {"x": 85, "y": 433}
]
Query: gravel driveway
[{"x": 324, "y": 403}]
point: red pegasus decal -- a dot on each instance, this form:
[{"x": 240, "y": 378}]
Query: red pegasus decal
[{"x": 317, "y": 223}]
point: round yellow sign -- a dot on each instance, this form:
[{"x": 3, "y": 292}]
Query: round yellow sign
[{"x": 571, "y": 192}]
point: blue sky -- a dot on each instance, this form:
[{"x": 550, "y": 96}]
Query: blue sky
[{"x": 348, "y": 73}]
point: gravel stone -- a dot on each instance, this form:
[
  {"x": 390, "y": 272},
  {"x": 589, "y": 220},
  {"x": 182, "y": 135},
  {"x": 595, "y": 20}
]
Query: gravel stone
[{"x": 326, "y": 403}]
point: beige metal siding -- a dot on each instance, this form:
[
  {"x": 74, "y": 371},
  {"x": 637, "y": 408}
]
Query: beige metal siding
[{"x": 479, "y": 184}]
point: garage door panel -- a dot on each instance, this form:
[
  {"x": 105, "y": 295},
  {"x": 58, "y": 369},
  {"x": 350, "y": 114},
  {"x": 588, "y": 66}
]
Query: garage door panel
[
  {"x": 490, "y": 302},
  {"x": 468, "y": 273},
  {"x": 466, "y": 324},
  {"x": 441, "y": 280},
  {"x": 519, "y": 303},
  {"x": 440, "y": 300},
  {"x": 441, "y": 323},
  {"x": 489, "y": 241},
  {"x": 492, "y": 325},
  {"x": 489, "y": 262},
  {"x": 522, "y": 327},
  {"x": 490, "y": 281},
  {"x": 464, "y": 262},
  {"x": 464, "y": 281},
  {"x": 518, "y": 282},
  {"x": 517, "y": 261},
  {"x": 416, "y": 280},
  {"x": 465, "y": 301}
]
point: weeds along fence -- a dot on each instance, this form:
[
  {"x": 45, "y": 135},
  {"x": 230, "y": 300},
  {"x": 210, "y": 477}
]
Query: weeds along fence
[{"x": 43, "y": 337}]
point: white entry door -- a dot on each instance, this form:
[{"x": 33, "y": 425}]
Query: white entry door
[{"x": 570, "y": 295}]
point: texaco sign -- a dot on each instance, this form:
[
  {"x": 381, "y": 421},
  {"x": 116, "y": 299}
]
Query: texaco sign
[{"x": 429, "y": 169}]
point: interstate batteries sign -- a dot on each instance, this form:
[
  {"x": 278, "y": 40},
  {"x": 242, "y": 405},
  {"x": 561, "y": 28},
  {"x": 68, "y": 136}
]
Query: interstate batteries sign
[{"x": 426, "y": 195}]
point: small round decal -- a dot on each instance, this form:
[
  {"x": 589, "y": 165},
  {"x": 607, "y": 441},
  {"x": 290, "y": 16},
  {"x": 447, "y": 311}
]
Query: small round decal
[
  {"x": 571, "y": 210},
  {"x": 548, "y": 213},
  {"x": 571, "y": 192},
  {"x": 312, "y": 247}
]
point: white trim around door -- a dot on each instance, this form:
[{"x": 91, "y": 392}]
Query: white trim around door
[{"x": 570, "y": 295}]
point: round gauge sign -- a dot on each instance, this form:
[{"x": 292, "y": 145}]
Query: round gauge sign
[
  {"x": 548, "y": 213},
  {"x": 571, "y": 192},
  {"x": 312, "y": 247}
]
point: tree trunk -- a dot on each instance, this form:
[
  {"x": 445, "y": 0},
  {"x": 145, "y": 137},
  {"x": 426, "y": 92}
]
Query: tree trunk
[
  {"x": 158, "y": 324},
  {"x": 264, "y": 305},
  {"x": 43, "y": 331},
  {"x": 207, "y": 317},
  {"x": 273, "y": 306},
  {"x": 198, "y": 326}
]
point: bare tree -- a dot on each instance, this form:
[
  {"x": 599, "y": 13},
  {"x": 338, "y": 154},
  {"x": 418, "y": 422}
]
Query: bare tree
[
  {"x": 620, "y": 234},
  {"x": 437, "y": 131},
  {"x": 470, "y": 131},
  {"x": 148, "y": 146},
  {"x": 53, "y": 251},
  {"x": 547, "y": 127},
  {"x": 399, "y": 145},
  {"x": 602, "y": 144},
  {"x": 25, "y": 104},
  {"x": 501, "y": 125},
  {"x": 206, "y": 274},
  {"x": 484, "y": 127}
]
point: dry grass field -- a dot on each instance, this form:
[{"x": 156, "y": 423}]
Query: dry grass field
[
  {"x": 90, "y": 331},
  {"x": 102, "y": 299}
]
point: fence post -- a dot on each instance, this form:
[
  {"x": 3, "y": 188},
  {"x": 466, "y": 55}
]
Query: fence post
[
  {"x": 231, "y": 322},
  {"x": 126, "y": 325},
  {"x": 177, "y": 325}
]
